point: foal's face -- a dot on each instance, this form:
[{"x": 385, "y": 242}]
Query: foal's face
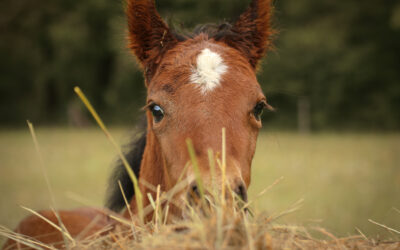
[
  {"x": 198, "y": 86},
  {"x": 201, "y": 87}
]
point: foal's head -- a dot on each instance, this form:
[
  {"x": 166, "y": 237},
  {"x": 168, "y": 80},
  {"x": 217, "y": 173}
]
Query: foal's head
[{"x": 195, "y": 87}]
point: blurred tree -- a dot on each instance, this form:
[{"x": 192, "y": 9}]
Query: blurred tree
[{"x": 342, "y": 58}]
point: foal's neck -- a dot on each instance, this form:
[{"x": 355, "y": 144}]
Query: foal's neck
[{"x": 152, "y": 172}]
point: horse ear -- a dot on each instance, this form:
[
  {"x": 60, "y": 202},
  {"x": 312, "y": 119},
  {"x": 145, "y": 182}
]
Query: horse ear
[
  {"x": 149, "y": 35},
  {"x": 252, "y": 33}
]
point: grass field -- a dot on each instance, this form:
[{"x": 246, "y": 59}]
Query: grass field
[{"x": 344, "y": 179}]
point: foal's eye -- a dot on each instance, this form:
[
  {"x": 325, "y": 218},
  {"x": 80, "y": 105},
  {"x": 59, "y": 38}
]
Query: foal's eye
[
  {"x": 158, "y": 112},
  {"x": 258, "y": 110}
]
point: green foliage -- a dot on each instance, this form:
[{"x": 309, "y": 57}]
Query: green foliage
[{"x": 343, "y": 56}]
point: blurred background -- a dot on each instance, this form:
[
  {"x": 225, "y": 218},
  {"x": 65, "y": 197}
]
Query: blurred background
[
  {"x": 334, "y": 78},
  {"x": 335, "y": 62}
]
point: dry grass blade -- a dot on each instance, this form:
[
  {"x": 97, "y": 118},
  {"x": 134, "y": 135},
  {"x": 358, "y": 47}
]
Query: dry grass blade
[
  {"x": 293, "y": 208},
  {"x": 50, "y": 223},
  {"x": 78, "y": 198},
  {"x": 66, "y": 235},
  {"x": 138, "y": 194},
  {"x": 211, "y": 162},
  {"x": 223, "y": 165},
  {"x": 42, "y": 165},
  {"x": 384, "y": 226},
  {"x": 121, "y": 220},
  {"x": 158, "y": 212},
  {"x": 330, "y": 235},
  {"x": 264, "y": 192},
  {"x": 248, "y": 233},
  {"x": 362, "y": 234},
  {"x": 128, "y": 206},
  {"x": 23, "y": 239},
  {"x": 87, "y": 228},
  {"x": 151, "y": 200},
  {"x": 195, "y": 166},
  {"x": 117, "y": 241}
]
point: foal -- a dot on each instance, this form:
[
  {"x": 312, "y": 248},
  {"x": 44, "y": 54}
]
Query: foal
[{"x": 196, "y": 86}]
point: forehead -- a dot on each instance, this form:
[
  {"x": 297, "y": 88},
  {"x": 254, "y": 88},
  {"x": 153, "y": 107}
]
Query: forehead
[{"x": 205, "y": 67}]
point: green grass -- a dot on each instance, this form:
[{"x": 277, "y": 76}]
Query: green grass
[{"x": 345, "y": 179}]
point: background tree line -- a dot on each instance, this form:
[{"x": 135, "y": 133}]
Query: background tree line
[{"x": 338, "y": 62}]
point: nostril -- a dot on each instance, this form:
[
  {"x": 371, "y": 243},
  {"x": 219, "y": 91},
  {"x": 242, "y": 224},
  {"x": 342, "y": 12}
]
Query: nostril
[
  {"x": 242, "y": 192},
  {"x": 193, "y": 194},
  {"x": 194, "y": 190}
]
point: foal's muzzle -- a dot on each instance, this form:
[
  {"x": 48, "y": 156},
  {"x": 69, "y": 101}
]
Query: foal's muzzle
[{"x": 237, "y": 193}]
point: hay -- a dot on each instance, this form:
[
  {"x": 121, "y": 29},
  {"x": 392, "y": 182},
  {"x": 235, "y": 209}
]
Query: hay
[{"x": 215, "y": 226}]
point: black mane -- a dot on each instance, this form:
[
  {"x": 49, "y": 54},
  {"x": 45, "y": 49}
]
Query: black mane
[
  {"x": 212, "y": 30},
  {"x": 133, "y": 154}
]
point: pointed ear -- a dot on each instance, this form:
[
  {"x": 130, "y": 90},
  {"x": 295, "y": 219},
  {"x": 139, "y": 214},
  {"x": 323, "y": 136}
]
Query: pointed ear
[
  {"x": 252, "y": 33},
  {"x": 149, "y": 35}
]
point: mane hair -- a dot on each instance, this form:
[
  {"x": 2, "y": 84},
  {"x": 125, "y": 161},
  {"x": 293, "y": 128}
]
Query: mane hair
[
  {"x": 134, "y": 153},
  {"x": 211, "y": 30},
  {"x": 232, "y": 36}
]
